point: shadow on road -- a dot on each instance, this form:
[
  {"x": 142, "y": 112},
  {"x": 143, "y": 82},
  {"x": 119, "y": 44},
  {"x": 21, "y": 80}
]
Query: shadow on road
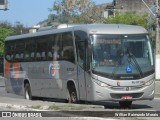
[
  {"x": 115, "y": 105},
  {"x": 107, "y": 104}
]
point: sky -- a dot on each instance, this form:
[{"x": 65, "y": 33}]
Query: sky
[{"x": 30, "y": 12}]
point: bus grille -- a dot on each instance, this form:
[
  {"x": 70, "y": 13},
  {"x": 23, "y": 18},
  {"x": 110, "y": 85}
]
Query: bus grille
[{"x": 119, "y": 96}]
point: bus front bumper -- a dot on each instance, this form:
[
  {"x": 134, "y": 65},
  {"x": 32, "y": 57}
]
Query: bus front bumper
[{"x": 122, "y": 93}]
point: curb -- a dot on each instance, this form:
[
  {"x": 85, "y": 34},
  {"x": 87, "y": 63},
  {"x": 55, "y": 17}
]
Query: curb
[
  {"x": 26, "y": 108},
  {"x": 18, "y": 107},
  {"x": 52, "y": 107}
]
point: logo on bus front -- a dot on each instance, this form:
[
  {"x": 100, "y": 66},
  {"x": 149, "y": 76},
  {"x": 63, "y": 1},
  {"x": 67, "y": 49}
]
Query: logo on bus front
[{"x": 128, "y": 69}]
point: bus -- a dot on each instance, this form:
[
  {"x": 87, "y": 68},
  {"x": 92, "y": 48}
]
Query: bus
[{"x": 88, "y": 62}]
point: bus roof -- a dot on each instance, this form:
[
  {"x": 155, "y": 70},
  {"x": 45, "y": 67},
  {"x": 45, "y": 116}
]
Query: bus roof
[
  {"x": 90, "y": 28},
  {"x": 116, "y": 29}
]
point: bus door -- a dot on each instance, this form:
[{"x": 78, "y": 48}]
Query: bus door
[{"x": 81, "y": 61}]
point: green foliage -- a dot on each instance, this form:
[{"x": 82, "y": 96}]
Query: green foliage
[
  {"x": 4, "y": 32},
  {"x": 71, "y": 7},
  {"x": 51, "y": 18},
  {"x": 6, "y": 29},
  {"x": 130, "y": 18},
  {"x": 74, "y": 11}
]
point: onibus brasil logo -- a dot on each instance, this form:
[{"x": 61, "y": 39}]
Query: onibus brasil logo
[{"x": 52, "y": 69}]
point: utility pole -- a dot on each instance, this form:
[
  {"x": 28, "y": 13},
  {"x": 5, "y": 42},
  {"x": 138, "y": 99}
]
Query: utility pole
[
  {"x": 157, "y": 56},
  {"x": 157, "y": 41}
]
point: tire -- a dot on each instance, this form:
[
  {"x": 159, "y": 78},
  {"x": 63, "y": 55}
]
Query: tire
[
  {"x": 125, "y": 104},
  {"x": 27, "y": 92},
  {"x": 72, "y": 95}
]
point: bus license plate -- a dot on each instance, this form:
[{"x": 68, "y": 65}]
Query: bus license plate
[{"x": 126, "y": 97}]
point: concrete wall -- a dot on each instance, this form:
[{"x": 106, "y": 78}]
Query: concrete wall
[{"x": 134, "y": 5}]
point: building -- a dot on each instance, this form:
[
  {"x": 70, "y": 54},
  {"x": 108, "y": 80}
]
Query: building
[
  {"x": 34, "y": 28},
  {"x": 137, "y": 6}
]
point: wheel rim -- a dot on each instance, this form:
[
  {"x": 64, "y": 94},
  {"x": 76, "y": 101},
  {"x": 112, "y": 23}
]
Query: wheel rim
[{"x": 73, "y": 97}]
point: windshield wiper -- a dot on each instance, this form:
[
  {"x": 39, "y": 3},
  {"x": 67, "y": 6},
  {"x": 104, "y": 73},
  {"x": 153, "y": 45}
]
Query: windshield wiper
[
  {"x": 119, "y": 62},
  {"x": 135, "y": 61}
]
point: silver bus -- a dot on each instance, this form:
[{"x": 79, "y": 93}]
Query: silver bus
[{"x": 92, "y": 62}]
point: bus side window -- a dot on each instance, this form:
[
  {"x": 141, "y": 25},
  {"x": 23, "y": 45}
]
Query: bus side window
[
  {"x": 56, "y": 48},
  {"x": 80, "y": 38},
  {"x": 21, "y": 57},
  {"x": 9, "y": 51},
  {"x": 27, "y": 57},
  {"x": 42, "y": 47},
  {"x": 38, "y": 56},
  {"x": 43, "y": 56},
  {"x": 19, "y": 50},
  {"x": 67, "y": 47},
  {"x": 17, "y": 57},
  {"x": 51, "y": 43},
  {"x": 30, "y": 49},
  {"x": 8, "y": 57},
  {"x": 81, "y": 54},
  {"x": 32, "y": 55},
  {"x": 50, "y": 55},
  {"x": 12, "y": 58}
]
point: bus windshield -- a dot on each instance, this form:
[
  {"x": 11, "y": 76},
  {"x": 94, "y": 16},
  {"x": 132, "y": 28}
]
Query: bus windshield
[{"x": 122, "y": 56}]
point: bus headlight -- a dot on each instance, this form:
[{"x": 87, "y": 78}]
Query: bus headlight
[
  {"x": 149, "y": 82},
  {"x": 102, "y": 84}
]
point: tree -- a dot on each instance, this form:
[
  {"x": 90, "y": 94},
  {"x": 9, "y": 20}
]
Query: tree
[
  {"x": 19, "y": 28},
  {"x": 51, "y": 18},
  {"x": 130, "y": 18},
  {"x": 6, "y": 29},
  {"x": 71, "y": 7},
  {"x": 4, "y": 32},
  {"x": 75, "y": 11}
]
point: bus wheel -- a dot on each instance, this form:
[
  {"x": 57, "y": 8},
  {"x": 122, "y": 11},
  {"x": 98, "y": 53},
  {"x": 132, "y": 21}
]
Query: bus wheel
[
  {"x": 73, "y": 95},
  {"x": 27, "y": 92},
  {"x": 125, "y": 104}
]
